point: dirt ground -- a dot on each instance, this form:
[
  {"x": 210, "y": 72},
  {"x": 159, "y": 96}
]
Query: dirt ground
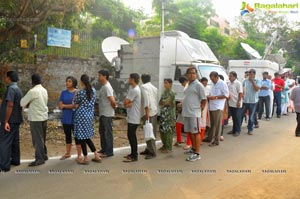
[
  {"x": 55, "y": 140},
  {"x": 271, "y": 155}
]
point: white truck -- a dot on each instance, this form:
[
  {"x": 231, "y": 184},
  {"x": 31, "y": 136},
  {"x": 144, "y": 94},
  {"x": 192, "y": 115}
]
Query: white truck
[
  {"x": 241, "y": 66},
  {"x": 165, "y": 56}
]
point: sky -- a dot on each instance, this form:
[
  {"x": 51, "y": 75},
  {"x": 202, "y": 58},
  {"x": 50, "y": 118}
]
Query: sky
[{"x": 225, "y": 9}]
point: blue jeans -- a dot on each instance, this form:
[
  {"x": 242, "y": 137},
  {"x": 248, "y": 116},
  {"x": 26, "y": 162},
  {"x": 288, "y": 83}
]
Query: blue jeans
[
  {"x": 251, "y": 107},
  {"x": 236, "y": 114},
  {"x": 277, "y": 98}
]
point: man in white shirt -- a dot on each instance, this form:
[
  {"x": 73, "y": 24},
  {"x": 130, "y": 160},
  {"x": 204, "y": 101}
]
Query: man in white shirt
[
  {"x": 107, "y": 105},
  {"x": 133, "y": 104},
  {"x": 217, "y": 98},
  {"x": 150, "y": 105},
  {"x": 235, "y": 103},
  {"x": 36, "y": 99}
]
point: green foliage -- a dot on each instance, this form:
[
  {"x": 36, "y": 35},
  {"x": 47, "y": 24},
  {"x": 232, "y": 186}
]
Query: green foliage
[
  {"x": 189, "y": 16},
  {"x": 112, "y": 17},
  {"x": 214, "y": 39},
  {"x": 293, "y": 45},
  {"x": 98, "y": 20}
]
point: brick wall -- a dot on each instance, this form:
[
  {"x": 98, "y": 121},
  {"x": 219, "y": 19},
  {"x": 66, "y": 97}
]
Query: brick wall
[{"x": 54, "y": 70}]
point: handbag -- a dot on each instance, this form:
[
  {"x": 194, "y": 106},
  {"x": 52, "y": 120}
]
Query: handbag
[{"x": 148, "y": 131}]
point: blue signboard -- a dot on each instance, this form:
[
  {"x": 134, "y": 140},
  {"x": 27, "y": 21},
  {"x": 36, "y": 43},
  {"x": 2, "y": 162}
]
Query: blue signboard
[{"x": 59, "y": 37}]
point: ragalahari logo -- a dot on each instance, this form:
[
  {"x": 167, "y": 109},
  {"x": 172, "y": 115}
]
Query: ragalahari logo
[{"x": 246, "y": 8}]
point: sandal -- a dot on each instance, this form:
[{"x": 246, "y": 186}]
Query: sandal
[
  {"x": 65, "y": 157},
  {"x": 161, "y": 148},
  {"x": 165, "y": 151},
  {"x": 178, "y": 144},
  {"x": 186, "y": 147},
  {"x": 82, "y": 162},
  {"x": 130, "y": 159},
  {"x": 96, "y": 160},
  {"x": 127, "y": 156}
]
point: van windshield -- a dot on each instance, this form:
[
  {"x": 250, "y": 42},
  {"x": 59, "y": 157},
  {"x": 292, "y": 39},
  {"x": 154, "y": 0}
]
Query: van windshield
[{"x": 206, "y": 70}]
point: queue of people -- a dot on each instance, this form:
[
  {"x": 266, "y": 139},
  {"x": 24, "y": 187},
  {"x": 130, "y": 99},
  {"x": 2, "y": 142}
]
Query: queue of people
[{"x": 200, "y": 112}]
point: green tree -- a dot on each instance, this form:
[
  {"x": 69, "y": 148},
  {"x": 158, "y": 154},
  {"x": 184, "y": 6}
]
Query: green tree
[
  {"x": 92, "y": 20},
  {"x": 22, "y": 16},
  {"x": 112, "y": 17},
  {"x": 189, "y": 16}
]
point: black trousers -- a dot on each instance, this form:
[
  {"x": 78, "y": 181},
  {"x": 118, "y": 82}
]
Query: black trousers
[
  {"x": 265, "y": 100},
  {"x": 88, "y": 142},
  {"x": 9, "y": 146},
  {"x": 131, "y": 134},
  {"x": 68, "y": 129},
  {"x": 38, "y": 133},
  {"x": 106, "y": 135},
  {"x": 297, "y": 131}
]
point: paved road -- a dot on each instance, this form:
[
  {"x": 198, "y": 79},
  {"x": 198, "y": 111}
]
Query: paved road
[{"x": 264, "y": 165}]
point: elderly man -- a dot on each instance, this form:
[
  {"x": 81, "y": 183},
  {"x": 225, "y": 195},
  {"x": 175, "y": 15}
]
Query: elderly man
[
  {"x": 36, "y": 99},
  {"x": 217, "y": 98}
]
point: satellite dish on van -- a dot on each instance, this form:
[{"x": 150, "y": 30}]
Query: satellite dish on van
[
  {"x": 251, "y": 51},
  {"x": 110, "y": 47}
]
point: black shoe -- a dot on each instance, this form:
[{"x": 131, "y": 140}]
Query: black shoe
[
  {"x": 4, "y": 170},
  {"x": 144, "y": 153},
  {"x": 278, "y": 116},
  {"x": 35, "y": 163},
  {"x": 15, "y": 163},
  {"x": 250, "y": 132},
  {"x": 230, "y": 132},
  {"x": 298, "y": 135},
  {"x": 46, "y": 158}
]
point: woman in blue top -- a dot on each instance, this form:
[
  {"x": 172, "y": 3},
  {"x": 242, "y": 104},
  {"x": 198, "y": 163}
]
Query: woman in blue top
[
  {"x": 84, "y": 102},
  {"x": 67, "y": 119}
]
